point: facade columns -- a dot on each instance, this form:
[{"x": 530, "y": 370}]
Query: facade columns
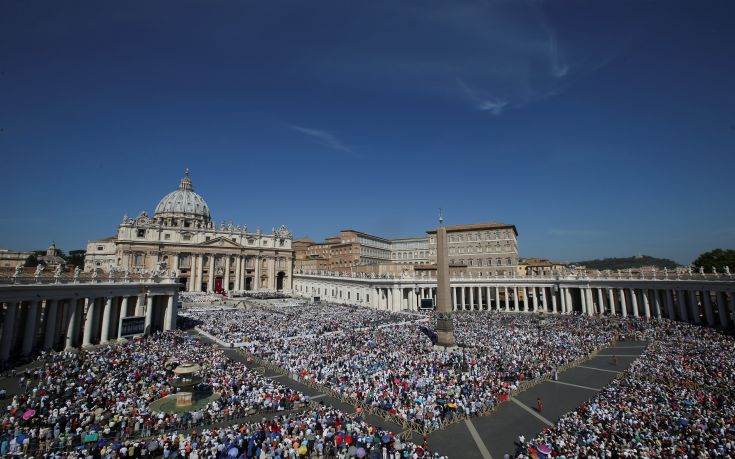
[
  {"x": 106, "y": 316},
  {"x": 256, "y": 284},
  {"x": 238, "y": 273},
  {"x": 210, "y": 276},
  {"x": 89, "y": 322},
  {"x": 149, "y": 314},
  {"x": 29, "y": 333},
  {"x": 49, "y": 337},
  {"x": 192, "y": 272},
  {"x": 6, "y": 341},
  {"x": 226, "y": 278},
  {"x": 200, "y": 273}
]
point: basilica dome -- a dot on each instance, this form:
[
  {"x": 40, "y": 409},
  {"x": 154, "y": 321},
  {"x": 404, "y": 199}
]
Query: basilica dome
[{"x": 183, "y": 203}]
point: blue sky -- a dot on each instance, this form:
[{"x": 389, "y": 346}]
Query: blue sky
[{"x": 598, "y": 128}]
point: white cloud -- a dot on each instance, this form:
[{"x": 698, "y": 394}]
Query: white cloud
[
  {"x": 483, "y": 101},
  {"x": 325, "y": 137}
]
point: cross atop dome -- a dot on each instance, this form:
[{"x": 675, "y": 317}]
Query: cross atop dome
[{"x": 185, "y": 184}]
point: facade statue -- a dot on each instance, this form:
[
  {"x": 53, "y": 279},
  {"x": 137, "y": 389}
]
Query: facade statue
[
  {"x": 59, "y": 269},
  {"x": 701, "y": 270},
  {"x": 714, "y": 270},
  {"x": 77, "y": 272},
  {"x": 125, "y": 219},
  {"x": 727, "y": 270},
  {"x": 18, "y": 270},
  {"x": 39, "y": 269}
]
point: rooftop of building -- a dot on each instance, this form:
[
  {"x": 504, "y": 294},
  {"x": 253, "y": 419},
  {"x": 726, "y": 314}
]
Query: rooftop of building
[{"x": 477, "y": 227}]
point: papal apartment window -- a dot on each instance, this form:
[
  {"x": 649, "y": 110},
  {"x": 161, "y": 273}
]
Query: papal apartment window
[
  {"x": 187, "y": 237},
  {"x": 167, "y": 236},
  {"x": 141, "y": 233}
]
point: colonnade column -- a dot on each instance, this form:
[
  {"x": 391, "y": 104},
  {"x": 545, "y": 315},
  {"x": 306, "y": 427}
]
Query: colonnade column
[
  {"x": 50, "y": 333},
  {"x": 544, "y": 301},
  {"x": 6, "y": 341},
  {"x": 479, "y": 298},
  {"x": 30, "y": 328},
  {"x": 708, "y": 312},
  {"x": 722, "y": 309},
  {"x": 601, "y": 302},
  {"x": 89, "y": 322},
  {"x": 623, "y": 305},
  {"x": 634, "y": 302},
  {"x": 534, "y": 290},
  {"x": 553, "y": 299},
  {"x": 583, "y": 297},
  {"x": 656, "y": 303},
  {"x": 681, "y": 297},
  {"x": 471, "y": 306},
  {"x": 71, "y": 330},
  {"x": 670, "y": 305},
  {"x": 570, "y": 304},
  {"x": 454, "y": 298},
  {"x": 563, "y": 296},
  {"x": 497, "y": 299},
  {"x": 516, "y": 304},
  {"x": 694, "y": 307},
  {"x": 488, "y": 296},
  {"x": 611, "y": 301},
  {"x": 646, "y": 305},
  {"x": 507, "y": 299},
  {"x": 106, "y": 313}
]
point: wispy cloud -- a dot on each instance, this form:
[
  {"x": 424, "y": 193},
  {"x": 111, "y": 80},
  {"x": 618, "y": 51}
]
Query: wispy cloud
[
  {"x": 325, "y": 137},
  {"x": 483, "y": 101}
]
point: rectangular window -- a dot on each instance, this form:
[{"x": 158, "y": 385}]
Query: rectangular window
[
  {"x": 99, "y": 247},
  {"x": 141, "y": 233},
  {"x": 167, "y": 236},
  {"x": 187, "y": 237}
]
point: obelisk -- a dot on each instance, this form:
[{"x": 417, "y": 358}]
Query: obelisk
[{"x": 444, "y": 325}]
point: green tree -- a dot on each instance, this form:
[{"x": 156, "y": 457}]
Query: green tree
[
  {"x": 31, "y": 261},
  {"x": 718, "y": 258},
  {"x": 75, "y": 258}
]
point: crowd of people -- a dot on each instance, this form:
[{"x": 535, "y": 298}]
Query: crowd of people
[
  {"x": 108, "y": 390},
  {"x": 258, "y": 295},
  {"x": 386, "y": 360},
  {"x": 200, "y": 298},
  {"x": 269, "y": 325},
  {"x": 319, "y": 432},
  {"x": 675, "y": 401}
]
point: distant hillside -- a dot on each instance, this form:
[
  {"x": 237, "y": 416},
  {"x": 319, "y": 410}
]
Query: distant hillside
[{"x": 629, "y": 262}]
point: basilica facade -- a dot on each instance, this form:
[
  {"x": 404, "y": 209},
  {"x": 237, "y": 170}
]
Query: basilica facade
[{"x": 181, "y": 239}]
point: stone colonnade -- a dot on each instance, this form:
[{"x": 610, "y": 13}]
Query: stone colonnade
[
  {"x": 710, "y": 303},
  {"x": 59, "y": 317}
]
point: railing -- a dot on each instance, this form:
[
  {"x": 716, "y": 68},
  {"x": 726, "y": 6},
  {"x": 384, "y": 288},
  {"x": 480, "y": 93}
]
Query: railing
[
  {"x": 84, "y": 278},
  {"x": 554, "y": 277}
]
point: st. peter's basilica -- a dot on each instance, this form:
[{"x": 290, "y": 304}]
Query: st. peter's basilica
[{"x": 181, "y": 239}]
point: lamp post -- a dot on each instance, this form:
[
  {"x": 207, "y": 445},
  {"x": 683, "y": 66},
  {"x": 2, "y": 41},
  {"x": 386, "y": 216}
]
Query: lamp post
[{"x": 417, "y": 290}]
